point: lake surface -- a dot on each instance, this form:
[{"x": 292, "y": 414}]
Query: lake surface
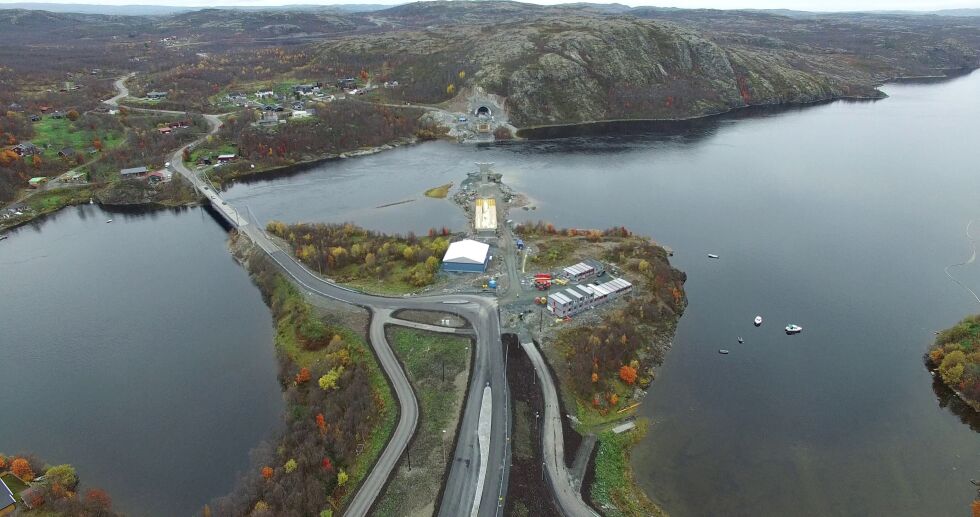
[
  {"x": 838, "y": 217},
  {"x": 137, "y": 351}
]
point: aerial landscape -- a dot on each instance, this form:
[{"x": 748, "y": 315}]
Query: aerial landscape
[{"x": 484, "y": 257}]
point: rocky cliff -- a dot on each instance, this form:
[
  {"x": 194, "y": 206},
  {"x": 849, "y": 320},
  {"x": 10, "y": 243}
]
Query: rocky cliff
[{"x": 586, "y": 67}]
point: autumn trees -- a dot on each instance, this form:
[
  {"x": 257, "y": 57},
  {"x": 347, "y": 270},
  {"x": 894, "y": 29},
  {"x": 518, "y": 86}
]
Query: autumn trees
[
  {"x": 956, "y": 357},
  {"x": 349, "y": 253},
  {"x": 311, "y": 465}
]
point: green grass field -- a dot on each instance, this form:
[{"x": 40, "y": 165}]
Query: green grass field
[
  {"x": 54, "y": 134},
  {"x": 15, "y": 485},
  {"x": 424, "y": 354}
]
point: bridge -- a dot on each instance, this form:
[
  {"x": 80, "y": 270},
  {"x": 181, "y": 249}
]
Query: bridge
[{"x": 479, "y": 469}]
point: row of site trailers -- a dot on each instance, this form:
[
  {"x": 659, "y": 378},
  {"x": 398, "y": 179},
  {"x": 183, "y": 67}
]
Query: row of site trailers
[{"x": 578, "y": 298}]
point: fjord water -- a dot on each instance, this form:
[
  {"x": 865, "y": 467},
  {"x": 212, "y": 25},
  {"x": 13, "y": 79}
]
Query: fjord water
[
  {"x": 138, "y": 351},
  {"x": 838, "y": 217}
]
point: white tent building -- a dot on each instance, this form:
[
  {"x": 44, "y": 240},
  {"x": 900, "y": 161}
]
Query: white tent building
[{"x": 466, "y": 256}]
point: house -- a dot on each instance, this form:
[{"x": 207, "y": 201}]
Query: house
[
  {"x": 265, "y": 94},
  {"x": 225, "y": 158},
  {"x": 180, "y": 124},
  {"x": 466, "y": 256},
  {"x": 301, "y": 114},
  {"x": 37, "y": 182},
  {"x": 165, "y": 130},
  {"x": 15, "y": 107},
  {"x": 44, "y": 109},
  {"x": 26, "y": 149},
  {"x": 32, "y": 497},
  {"x": 35, "y": 118},
  {"x": 347, "y": 83},
  {"x": 134, "y": 172},
  {"x": 156, "y": 95},
  {"x": 269, "y": 117},
  {"x": 298, "y": 106},
  {"x": 307, "y": 89},
  {"x": 58, "y": 114},
  {"x": 8, "y": 503},
  {"x": 66, "y": 152}
]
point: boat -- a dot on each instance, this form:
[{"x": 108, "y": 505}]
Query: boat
[
  {"x": 757, "y": 321},
  {"x": 108, "y": 220},
  {"x": 740, "y": 340},
  {"x": 723, "y": 352},
  {"x": 712, "y": 256},
  {"x": 793, "y": 329}
]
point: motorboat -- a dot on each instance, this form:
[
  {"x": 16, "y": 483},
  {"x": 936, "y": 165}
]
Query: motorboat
[
  {"x": 793, "y": 329},
  {"x": 712, "y": 256},
  {"x": 757, "y": 321},
  {"x": 740, "y": 340},
  {"x": 109, "y": 220},
  {"x": 723, "y": 352}
]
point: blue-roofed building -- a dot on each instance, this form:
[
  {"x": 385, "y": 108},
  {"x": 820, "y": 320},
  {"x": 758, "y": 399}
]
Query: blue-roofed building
[{"x": 7, "y": 502}]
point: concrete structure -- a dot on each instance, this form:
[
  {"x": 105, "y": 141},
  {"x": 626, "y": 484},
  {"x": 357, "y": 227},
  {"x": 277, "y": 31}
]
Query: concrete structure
[
  {"x": 485, "y": 216},
  {"x": 466, "y": 256},
  {"x": 578, "y": 298}
]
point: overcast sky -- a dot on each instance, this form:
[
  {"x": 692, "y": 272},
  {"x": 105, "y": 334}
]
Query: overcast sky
[{"x": 803, "y": 5}]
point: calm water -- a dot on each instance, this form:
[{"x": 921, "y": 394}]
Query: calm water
[
  {"x": 140, "y": 351},
  {"x": 837, "y": 217},
  {"x": 137, "y": 351}
]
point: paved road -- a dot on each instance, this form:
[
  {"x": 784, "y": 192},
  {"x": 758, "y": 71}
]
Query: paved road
[
  {"x": 568, "y": 497},
  {"x": 488, "y": 370}
]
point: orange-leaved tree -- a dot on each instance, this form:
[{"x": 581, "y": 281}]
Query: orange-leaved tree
[
  {"x": 22, "y": 469},
  {"x": 304, "y": 375},
  {"x": 267, "y": 472},
  {"x": 628, "y": 374}
]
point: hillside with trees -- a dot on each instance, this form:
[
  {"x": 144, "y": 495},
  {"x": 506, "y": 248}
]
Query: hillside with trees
[
  {"x": 350, "y": 254},
  {"x": 52, "y": 489},
  {"x": 340, "y": 410}
]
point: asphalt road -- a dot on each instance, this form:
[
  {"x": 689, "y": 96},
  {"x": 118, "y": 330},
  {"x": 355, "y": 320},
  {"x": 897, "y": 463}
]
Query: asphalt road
[
  {"x": 569, "y": 498},
  {"x": 489, "y": 367}
]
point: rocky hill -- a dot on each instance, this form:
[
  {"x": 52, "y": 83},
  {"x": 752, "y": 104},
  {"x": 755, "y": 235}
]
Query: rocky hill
[{"x": 587, "y": 66}]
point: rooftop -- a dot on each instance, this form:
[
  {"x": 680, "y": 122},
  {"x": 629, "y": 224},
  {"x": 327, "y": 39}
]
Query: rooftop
[{"x": 467, "y": 251}]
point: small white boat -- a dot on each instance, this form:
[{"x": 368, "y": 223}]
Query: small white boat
[
  {"x": 712, "y": 256},
  {"x": 793, "y": 329},
  {"x": 723, "y": 352},
  {"x": 108, "y": 220},
  {"x": 740, "y": 340},
  {"x": 757, "y": 321}
]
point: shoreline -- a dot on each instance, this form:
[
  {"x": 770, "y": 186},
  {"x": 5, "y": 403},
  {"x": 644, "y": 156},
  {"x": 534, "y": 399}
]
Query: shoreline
[{"x": 951, "y": 73}]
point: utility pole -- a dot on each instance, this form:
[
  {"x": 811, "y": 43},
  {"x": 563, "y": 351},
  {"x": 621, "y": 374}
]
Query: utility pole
[
  {"x": 409, "y": 452},
  {"x": 443, "y": 446}
]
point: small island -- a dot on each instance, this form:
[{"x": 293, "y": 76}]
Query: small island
[{"x": 955, "y": 359}]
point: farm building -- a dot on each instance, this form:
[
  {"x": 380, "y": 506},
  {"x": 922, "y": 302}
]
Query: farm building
[
  {"x": 466, "y": 256},
  {"x": 225, "y": 158},
  {"x": 134, "y": 172},
  {"x": 578, "y": 298}
]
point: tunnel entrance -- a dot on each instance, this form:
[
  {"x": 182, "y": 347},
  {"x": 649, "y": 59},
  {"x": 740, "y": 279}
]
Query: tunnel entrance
[{"x": 483, "y": 111}]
